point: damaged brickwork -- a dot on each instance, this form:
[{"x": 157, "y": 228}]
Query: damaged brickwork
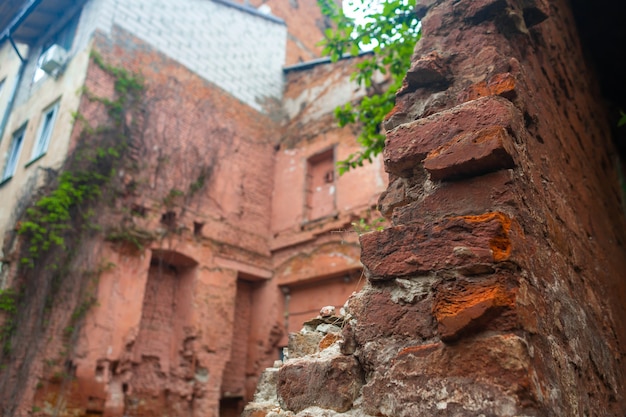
[
  {"x": 143, "y": 346},
  {"x": 223, "y": 228},
  {"x": 498, "y": 289}
]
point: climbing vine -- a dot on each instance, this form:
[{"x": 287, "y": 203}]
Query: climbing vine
[
  {"x": 114, "y": 186},
  {"x": 64, "y": 211},
  {"x": 8, "y": 305},
  {"x": 90, "y": 170},
  {"x": 51, "y": 215}
]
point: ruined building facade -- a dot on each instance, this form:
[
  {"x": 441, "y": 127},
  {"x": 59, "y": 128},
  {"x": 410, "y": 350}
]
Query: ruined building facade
[
  {"x": 499, "y": 288},
  {"x": 171, "y": 208}
]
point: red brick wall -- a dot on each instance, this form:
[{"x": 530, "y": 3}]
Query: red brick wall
[
  {"x": 183, "y": 128},
  {"x": 233, "y": 382},
  {"x": 188, "y": 128},
  {"x": 306, "y": 300},
  {"x": 498, "y": 289},
  {"x": 518, "y": 215}
]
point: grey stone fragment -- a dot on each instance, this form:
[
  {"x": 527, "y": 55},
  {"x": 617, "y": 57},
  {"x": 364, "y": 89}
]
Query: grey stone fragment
[
  {"x": 313, "y": 323},
  {"x": 328, "y": 328},
  {"x": 304, "y": 343},
  {"x": 410, "y": 290},
  {"x": 266, "y": 389},
  {"x": 331, "y": 383}
]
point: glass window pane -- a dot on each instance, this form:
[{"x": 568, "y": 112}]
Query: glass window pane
[
  {"x": 14, "y": 154},
  {"x": 45, "y": 132}
]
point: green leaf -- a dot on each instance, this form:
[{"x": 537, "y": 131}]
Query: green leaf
[{"x": 392, "y": 30}]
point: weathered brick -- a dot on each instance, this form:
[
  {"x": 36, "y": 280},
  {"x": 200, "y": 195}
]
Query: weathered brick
[
  {"x": 481, "y": 376},
  {"x": 472, "y": 154},
  {"x": 503, "y": 85},
  {"x": 408, "y": 144},
  {"x": 378, "y": 316},
  {"x": 496, "y": 190},
  {"x": 464, "y": 307},
  {"x": 418, "y": 249},
  {"x": 328, "y": 340},
  {"x": 430, "y": 71},
  {"x": 331, "y": 383}
]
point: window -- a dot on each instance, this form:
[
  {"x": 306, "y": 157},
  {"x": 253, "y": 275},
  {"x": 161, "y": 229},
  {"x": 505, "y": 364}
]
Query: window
[
  {"x": 64, "y": 37},
  {"x": 14, "y": 154},
  {"x": 320, "y": 188},
  {"x": 45, "y": 131},
  {"x": 2, "y": 82}
]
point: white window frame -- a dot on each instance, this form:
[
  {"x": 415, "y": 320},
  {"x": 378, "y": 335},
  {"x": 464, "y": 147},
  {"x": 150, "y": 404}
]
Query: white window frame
[
  {"x": 2, "y": 84},
  {"x": 13, "y": 155},
  {"x": 40, "y": 147}
]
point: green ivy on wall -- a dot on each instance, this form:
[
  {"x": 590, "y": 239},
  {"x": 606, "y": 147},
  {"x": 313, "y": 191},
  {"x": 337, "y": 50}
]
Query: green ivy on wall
[{"x": 92, "y": 168}]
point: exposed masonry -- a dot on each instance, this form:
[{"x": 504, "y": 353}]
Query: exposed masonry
[
  {"x": 496, "y": 291},
  {"x": 171, "y": 332}
]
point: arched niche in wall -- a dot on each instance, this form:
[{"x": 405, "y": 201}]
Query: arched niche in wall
[
  {"x": 324, "y": 261},
  {"x": 173, "y": 258},
  {"x": 164, "y": 347}
]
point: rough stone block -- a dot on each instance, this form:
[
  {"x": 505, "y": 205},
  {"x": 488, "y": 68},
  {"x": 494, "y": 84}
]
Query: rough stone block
[
  {"x": 314, "y": 323},
  {"x": 378, "y": 316},
  {"x": 472, "y": 154},
  {"x": 416, "y": 249},
  {"x": 485, "y": 376},
  {"x": 326, "y": 328},
  {"x": 408, "y": 144},
  {"x": 266, "y": 388},
  {"x": 302, "y": 344},
  {"x": 330, "y": 383},
  {"x": 473, "y": 195},
  {"x": 394, "y": 196},
  {"x": 503, "y": 85},
  {"x": 430, "y": 71},
  {"x": 480, "y": 10},
  {"x": 467, "y": 307}
]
